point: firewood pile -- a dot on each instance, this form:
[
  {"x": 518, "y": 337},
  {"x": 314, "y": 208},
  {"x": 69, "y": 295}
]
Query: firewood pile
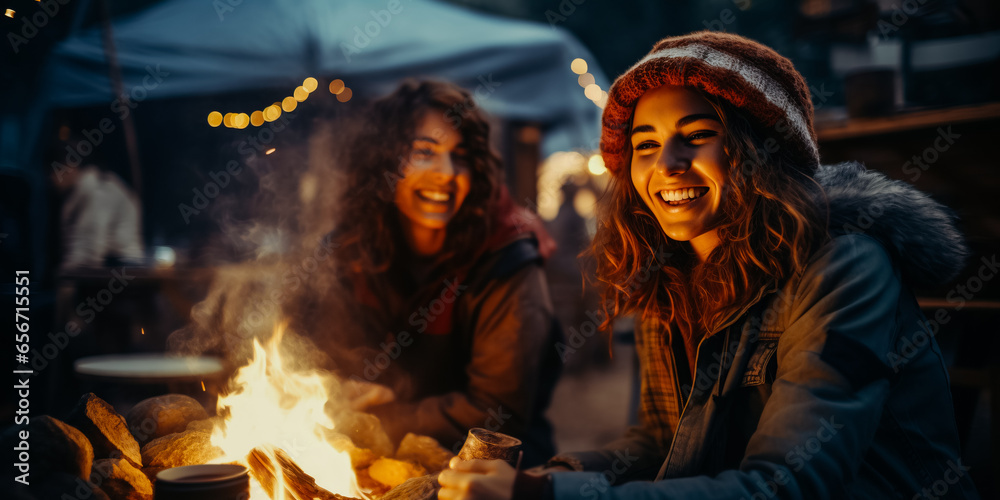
[{"x": 96, "y": 453}]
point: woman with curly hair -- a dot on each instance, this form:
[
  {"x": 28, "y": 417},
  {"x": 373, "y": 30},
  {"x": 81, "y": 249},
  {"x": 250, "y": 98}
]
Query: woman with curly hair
[
  {"x": 782, "y": 353},
  {"x": 443, "y": 275}
]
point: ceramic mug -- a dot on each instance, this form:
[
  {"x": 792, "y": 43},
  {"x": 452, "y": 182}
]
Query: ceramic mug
[{"x": 203, "y": 482}]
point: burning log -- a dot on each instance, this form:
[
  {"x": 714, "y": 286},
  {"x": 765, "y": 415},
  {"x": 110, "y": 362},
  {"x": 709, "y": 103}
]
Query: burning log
[
  {"x": 297, "y": 483},
  {"x": 105, "y": 429},
  {"x": 180, "y": 448},
  {"x": 120, "y": 480},
  {"x": 156, "y": 417},
  {"x": 418, "y": 488}
]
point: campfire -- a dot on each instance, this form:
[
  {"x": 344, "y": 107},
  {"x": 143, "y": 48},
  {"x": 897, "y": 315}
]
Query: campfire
[
  {"x": 273, "y": 410},
  {"x": 288, "y": 424}
]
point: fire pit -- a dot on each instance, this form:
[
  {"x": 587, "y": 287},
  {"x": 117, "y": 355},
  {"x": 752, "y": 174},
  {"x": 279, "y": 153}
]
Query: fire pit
[{"x": 285, "y": 423}]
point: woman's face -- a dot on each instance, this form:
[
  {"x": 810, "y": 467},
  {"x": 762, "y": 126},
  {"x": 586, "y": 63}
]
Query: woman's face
[
  {"x": 679, "y": 166},
  {"x": 436, "y": 178}
]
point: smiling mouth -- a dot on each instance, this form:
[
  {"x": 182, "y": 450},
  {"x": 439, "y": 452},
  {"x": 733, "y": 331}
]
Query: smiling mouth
[
  {"x": 435, "y": 195},
  {"x": 677, "y": 197}
]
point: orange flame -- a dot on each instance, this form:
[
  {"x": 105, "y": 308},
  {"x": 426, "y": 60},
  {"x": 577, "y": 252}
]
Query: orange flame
[{"x": 272, "y": 405}]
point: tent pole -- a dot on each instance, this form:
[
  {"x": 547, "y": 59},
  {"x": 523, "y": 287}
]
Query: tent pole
[{"x": 115, "y": 75}]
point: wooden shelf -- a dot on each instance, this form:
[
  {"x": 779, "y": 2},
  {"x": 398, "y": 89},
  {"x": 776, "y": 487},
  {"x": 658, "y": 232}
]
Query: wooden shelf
[{"x": 835, "y": 130}]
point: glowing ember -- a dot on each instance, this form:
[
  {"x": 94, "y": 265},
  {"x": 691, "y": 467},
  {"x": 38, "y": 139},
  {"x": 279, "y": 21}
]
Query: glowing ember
[{"x": 274, "y": 405}]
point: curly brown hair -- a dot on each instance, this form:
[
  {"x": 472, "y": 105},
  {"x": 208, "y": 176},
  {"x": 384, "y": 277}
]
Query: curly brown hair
[
  {"x": 367, "y": 224},
  {"x": 770, "y": 225}
]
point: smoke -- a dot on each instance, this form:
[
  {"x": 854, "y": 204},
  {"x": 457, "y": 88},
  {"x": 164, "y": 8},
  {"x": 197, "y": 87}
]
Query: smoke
[{"x": 272, "y": 255}]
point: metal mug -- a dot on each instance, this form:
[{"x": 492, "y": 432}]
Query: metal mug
[
  {"x": 203, "y": 482},
  {"x": 490, "y": 445}
]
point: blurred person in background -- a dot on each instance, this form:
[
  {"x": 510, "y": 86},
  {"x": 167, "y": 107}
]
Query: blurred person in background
[
  {"x": 443, "y": 277},
  {"x": 100, "y": 220},
  {"x": 782, "y": 352}
]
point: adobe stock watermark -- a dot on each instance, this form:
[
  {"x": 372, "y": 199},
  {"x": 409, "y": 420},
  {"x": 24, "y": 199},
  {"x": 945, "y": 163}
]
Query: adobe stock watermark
[
  {"x": 919, "y": 163},
  {"x": 577, "y": 337},
  {"x": 87, "y": 312},
  {"x": 564, "y": 10},
  {"x": 726, "y": 16},
  {"x": 223, "y": 7},
  {"x": 297, "y": 275},
  {"x": 122, "y": 106},
  {"x": 31, "y": 25},
  {"x": 908, "y": 347},
  {"x": 900, "y": 15},
  {"x": 375, "y": 366},
  {"x": 219, "y": 180},
  {"x": 956, "y": 471},
  {"x": 619, "y": 466},
  {"x": 372, "y": 29},
  {"x": 797, "y": 458}
]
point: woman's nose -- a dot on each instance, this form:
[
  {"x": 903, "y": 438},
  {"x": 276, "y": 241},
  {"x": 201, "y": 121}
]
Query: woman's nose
[
  {"x": 674, "y": 160},
  {"x": 444, "y": 167}
]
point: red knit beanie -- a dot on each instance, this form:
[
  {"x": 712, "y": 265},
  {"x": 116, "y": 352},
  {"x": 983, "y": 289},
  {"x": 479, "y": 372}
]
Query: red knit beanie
[{"x": 750, "y": 76}]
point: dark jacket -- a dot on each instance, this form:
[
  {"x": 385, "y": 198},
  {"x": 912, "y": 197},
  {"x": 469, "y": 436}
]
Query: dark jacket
[
  {"x": 479, "y": 349},
  {"x": 830, "y": 385}
]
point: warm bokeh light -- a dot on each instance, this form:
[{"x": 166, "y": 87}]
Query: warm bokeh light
[
  {"x": 9, "y": 13},
  {"x": 300, "y": 94},
  {"x": 310, "y": 84},
  {"x": 345, "y": 95},
  {"x": 579, "y": 66},
  {"x": 337, "y": 86},
  {"x": 584, "y": 203},
  {"x": 257, "y": 118},
  {"x": 288, "y": 104},
  {"x": 603, "y": 100},
  {"x": 228, "y": 119},
  {"x": 242, "y": 120},
  {"x": 596, "y": 165},
  {"x": 585, "y": 79},
  {"x": 592, "y": 91},
  {"x": 556, "y": 170},
  {"x": 214, "y": 119},
  {"x": 269, "y": 151},
  {"x": 272, "y": 112}
]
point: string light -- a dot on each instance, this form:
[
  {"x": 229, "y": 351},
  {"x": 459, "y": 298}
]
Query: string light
[
  {"x": 9, "y": 13},
  {"x": 272, "y": 112},
  {"x": 310, "y": 84},
  {"x": 579, "y": 66},
  {"x": 214, "y": 119}
]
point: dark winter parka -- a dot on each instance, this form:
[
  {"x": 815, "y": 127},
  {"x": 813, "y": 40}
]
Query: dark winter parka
[{"x": 828, "y": 386}]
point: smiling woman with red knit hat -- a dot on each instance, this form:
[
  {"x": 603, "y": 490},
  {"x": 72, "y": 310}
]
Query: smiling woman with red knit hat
[{"x": 782, "y": 353}]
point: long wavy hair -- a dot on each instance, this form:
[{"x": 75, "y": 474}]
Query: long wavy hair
[
  {"x": 368, "y": 226},
  {"x": 770, "y": 223}
]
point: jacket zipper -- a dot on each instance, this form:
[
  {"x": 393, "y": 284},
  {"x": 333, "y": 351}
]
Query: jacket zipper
[{"x": 697, "y": 354}]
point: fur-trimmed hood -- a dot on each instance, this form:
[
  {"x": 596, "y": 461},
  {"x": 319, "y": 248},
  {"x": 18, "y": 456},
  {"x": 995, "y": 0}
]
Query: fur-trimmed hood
[{"x": 918, "y": 232}]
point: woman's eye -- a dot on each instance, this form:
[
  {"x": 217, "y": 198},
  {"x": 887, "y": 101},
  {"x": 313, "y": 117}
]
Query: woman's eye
[
  {"x": 700, "y": 135},
  {"x": 422, "y": 154},
  {"x": 645, "y": 145}
]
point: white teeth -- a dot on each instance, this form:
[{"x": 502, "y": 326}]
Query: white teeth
[
  {"x": 682, "y": 194},
  {"x": 435, "y": 195}
]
